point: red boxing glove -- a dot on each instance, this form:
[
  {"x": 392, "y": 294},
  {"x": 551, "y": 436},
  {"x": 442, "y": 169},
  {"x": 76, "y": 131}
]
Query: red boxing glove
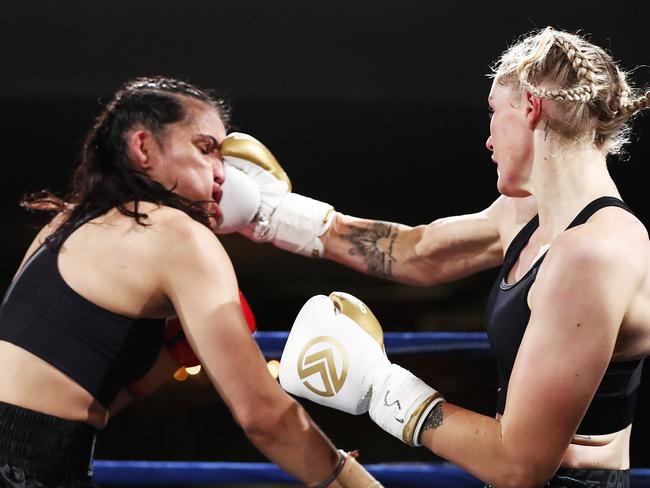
[
  {"x": 176, "y": 342},
  {"x": 177, "y": 345},
  {"x": 248, "y": 313}
]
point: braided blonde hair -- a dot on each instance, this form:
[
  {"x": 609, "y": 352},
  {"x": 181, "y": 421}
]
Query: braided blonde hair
[{"x": 596, "y": 96}]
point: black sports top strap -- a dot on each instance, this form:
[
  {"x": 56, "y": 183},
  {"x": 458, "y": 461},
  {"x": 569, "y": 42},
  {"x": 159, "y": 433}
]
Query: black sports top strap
[
  {"x": 518, "y": 243},
  {"x": 524, "y": 235},
  {"x": 56, "y": 240},
  {"x": 596, "y": 205}
]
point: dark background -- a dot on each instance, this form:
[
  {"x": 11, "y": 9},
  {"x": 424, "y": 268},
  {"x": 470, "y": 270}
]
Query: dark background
[{"x": 376, "y": 107}]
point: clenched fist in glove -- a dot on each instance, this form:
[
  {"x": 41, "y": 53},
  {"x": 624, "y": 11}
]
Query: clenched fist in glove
[
  {"x": 257, "y": 200},
  {"x": 335, "y": 357}
]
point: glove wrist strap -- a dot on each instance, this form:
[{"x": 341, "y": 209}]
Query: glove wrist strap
[{"x": 401, "y": 403}]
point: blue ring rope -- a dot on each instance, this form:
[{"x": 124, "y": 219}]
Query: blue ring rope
[
  {"x": 157, "y": 472},
  {"x": 472, "y": 343},
  {"x": 439, "y": 475}
]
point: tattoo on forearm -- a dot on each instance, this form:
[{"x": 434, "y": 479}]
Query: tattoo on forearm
[
  {"x": 366, "y": 243},
  {"x": 434, "y": 419}
]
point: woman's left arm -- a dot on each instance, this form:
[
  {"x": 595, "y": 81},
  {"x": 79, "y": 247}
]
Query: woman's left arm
[
  {"x": 160, "y": 373},
  {"x": 577, "y": 304}
]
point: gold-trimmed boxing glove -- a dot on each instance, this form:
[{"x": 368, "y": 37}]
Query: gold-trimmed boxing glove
[
  {"x": 290, "y": 221},
  {"x": 335, "y": 357}
]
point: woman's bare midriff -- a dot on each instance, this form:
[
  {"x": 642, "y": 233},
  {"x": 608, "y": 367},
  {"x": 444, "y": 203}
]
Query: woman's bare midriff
[
  {"x": 608, "y": 451},
  {"x": 37, "y": 385}
]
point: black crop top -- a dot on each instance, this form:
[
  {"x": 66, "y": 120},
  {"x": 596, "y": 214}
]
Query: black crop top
[
  {"x": 99, "y": 349},
  {"x": 612, "y": 407}
]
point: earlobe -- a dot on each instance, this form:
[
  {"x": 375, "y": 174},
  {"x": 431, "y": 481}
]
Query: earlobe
[{"x": 534, "y": 110}]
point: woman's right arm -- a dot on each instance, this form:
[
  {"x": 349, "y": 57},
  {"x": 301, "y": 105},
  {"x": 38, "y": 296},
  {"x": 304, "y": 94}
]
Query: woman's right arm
[
  {"x": 198, "y": 278},
  {"x": 445, "y": 250}
]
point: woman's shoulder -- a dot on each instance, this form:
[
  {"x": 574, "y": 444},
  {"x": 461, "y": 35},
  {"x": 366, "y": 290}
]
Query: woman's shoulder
[
  {"x": 610, "y": 228},
  {"x": 181, "y": 246},
  {"x": 157, "y": 231},
  {"x": 168, "y": 222},
  {"x": 613, "y": 240},
  {"x": 168, "y": 241}
]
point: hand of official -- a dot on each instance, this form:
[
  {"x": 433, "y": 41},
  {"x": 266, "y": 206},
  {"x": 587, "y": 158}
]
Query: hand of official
[
  {"x": 335, "y": 357},
  {"x": 288, "y": 220}
]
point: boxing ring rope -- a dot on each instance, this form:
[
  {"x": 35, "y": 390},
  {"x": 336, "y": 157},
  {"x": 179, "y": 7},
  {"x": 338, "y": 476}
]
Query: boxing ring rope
[
  {"x": 438, "y": 475},
  {"x": 272, "y": 343}
]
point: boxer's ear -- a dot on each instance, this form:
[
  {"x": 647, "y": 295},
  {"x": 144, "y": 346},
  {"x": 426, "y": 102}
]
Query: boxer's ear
[
  {"x": 533, "y": 110},
  {"x": 142, "y": 148}
]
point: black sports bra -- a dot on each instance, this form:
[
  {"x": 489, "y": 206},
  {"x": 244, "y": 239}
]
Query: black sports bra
[
  {"x": 101, "y": 350},
  {"x": 612, "y": 407}
]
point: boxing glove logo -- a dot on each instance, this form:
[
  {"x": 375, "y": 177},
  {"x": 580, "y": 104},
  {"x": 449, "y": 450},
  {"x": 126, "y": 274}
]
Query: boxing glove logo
[{"x": 323, "y": 366}]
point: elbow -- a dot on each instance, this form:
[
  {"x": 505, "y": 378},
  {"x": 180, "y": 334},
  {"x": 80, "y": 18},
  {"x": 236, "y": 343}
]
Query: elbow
[
  {"x": 260, "y": 426},
  {"x": 523, "y": 475},
  {"x": 267, "y": 425},
  {"x": 519, "y": 479},
  {"x": 521, "y": 462},
  {"x": 261, "y": 432}
]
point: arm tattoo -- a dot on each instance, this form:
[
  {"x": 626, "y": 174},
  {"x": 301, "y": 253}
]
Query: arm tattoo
[
  {"x": 434, "y": 419},
  {"x": 365, "y": 243}
]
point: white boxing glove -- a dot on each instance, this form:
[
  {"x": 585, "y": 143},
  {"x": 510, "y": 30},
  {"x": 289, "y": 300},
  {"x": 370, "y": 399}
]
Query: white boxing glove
[
  {"x": 335, "y": 357},
  {"x": 240, "y": 201},
  {"x": 288, "y": 220}
]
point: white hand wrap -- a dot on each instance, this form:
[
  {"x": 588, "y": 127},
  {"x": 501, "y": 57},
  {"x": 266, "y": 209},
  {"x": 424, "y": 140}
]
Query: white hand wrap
[
  {"x": 400, "y": 403},
  {"x": 296, "y": 225}
]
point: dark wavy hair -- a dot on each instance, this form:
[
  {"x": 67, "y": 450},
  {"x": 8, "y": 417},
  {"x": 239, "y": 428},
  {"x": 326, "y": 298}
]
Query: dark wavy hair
[{"x": 105, "y": 177}]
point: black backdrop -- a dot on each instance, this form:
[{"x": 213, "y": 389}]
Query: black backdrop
[{"x": 376, "y": 107}]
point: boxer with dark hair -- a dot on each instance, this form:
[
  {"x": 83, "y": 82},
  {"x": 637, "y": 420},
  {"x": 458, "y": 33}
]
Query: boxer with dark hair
[
  {"x": 569, "y": 316},
  {"x": 83, "y": 322}
]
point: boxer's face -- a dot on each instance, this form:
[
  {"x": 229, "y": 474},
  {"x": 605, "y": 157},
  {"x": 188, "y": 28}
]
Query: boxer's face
[
  {"x": 510, "y": 140},
  {"x": 189, "y": 158}
]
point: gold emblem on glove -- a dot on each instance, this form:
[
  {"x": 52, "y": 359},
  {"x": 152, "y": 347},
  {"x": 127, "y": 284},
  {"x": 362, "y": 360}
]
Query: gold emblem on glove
[{"x": 319, "y": 356}]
